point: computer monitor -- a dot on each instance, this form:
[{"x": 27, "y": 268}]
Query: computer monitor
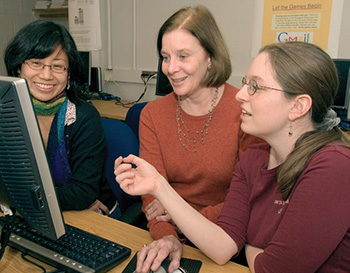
[
  {"x": 26, "y": 183},
  {"x": 163, "y": 86},
  {"x": 86, "y": 58},
  {"x": 341, "y": 102}
]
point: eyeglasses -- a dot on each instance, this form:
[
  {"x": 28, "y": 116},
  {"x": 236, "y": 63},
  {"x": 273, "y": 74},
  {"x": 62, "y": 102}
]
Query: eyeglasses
[
  {"x": 36, "y": 65},
  {"x": 253, "y": 86}
]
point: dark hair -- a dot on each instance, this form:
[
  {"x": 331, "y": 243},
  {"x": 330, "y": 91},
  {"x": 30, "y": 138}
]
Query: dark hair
[
  {"x": 303, "y": 68},
  {"x": 39, "y": 40},
  {"x": 200, "y": 23}
]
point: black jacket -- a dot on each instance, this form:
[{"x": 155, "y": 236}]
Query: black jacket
[{"x": 86, "y": 144}]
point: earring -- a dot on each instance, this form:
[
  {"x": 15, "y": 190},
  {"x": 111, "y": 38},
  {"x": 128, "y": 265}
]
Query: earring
[
  {"x": 68, "y": 84},
  {"x": 209, "y": 66},
  {"x": 290, "y": 128}
]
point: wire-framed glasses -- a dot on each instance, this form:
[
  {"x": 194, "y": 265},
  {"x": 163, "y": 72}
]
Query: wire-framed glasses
[
  {"x": 253, "y": 86},
  {"x": 37, "y": 65}
]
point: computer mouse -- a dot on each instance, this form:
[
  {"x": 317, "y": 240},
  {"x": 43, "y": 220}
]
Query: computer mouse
[{"x": 164, "y": 268}]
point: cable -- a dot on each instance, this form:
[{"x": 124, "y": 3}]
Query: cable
[
  {"x": 121, "y": 91},
  {"x": 23, "y": 255},
  {"x": 5, "y": 234},
  {"x": 7, "y": 228},
  {"x": 145, "y": 82}
]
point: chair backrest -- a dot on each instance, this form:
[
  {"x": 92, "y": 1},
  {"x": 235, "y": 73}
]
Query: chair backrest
[
  {"x": 133, "y": 117},
  {"x": 121, "y": 141}
]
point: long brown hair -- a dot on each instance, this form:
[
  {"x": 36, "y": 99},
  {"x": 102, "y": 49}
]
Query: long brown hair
[{"x": 303, "y": 68}]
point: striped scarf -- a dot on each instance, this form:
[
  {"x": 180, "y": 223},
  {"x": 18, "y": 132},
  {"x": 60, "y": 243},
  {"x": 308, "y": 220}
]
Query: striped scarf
[{"x": 49, "y": 108}]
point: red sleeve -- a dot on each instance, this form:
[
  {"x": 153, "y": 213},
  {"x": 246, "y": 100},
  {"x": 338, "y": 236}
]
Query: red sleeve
[{"x": 151, "y": 152}]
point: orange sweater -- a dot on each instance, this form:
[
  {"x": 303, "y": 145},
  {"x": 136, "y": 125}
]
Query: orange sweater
[{"x": 202, "y": 178}]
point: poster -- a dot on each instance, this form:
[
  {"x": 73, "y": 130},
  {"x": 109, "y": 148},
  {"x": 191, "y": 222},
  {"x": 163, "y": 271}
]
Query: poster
[
  {"x": 85, "y": 24},
  {"x": 312, "y": 21}
]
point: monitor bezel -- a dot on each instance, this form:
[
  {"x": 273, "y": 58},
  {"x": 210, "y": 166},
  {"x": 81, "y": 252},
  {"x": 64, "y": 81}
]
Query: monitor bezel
[
  {"x": 163, "y": 86},
  {"x": 345, "y": 105},
  {"x": 42, "y": 210}
]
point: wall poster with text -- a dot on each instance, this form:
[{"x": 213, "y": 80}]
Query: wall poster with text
[{"x": 312, "y": 21}]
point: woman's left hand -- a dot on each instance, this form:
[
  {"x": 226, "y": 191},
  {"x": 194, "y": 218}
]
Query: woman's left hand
[{"x": 156, "y": 210}]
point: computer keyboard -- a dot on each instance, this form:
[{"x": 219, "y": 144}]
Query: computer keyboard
[{"x": 76, "y": 251}]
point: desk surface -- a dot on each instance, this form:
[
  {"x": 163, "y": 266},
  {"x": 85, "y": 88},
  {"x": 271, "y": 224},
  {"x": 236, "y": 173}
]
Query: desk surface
[
  {"x": 108, "y": 109},
  {"x": 117, "y": 231}
]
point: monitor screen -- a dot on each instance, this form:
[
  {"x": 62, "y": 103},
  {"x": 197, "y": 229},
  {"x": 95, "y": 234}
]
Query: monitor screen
[
  {"x": 86, "y": 58},
  {"x": 163, "y": 86},
  {"x": 26, "y": 183},
  {"x": 341, "y": 101}
]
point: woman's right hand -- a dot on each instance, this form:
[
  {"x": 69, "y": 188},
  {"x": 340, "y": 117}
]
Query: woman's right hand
[
  {"x": 144, "y": 179},
  {"x": 152, "y": 255}
]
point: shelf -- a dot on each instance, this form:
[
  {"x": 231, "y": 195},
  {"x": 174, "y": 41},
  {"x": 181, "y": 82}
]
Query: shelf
[{"x": 51, "y": 13}]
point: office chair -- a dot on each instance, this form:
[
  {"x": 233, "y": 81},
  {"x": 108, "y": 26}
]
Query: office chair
[
  {"x": 121, "y": 141},
  {"x": 133, "y": 117}
]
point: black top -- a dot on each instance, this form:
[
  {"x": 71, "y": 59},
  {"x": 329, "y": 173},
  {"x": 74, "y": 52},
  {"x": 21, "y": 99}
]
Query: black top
[{"x": 86, "y": 144}]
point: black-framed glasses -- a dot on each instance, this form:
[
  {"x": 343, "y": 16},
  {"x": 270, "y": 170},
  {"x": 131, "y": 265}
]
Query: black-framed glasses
[
  {"x": 253, "y": 86},
  {"x": 36, "y": 65}
]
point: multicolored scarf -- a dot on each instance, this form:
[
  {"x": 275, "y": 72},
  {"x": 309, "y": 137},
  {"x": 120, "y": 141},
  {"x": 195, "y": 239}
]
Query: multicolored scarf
[
  {"x": 56, "y": 148},
  {"x": 49, "y": 108}
]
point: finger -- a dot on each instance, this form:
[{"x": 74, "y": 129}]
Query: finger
[
  {"x": 163, "y": 218},
  {"x": 118, "y": 161},
  {"x": 150, "y": 205},
  {"x": 132, "y": 159},
  {"x": 104, "y": 209},
  {"x": 174, "y": 264},
  {"x": 155, "y": 213},
  {"x": 152, "y": 253},
  {"x": 175, "y": 258},
  {"x": 152, "y": 212},
  {"x": 141, "y": 256},
  {"x": 161, "y": 251},
  {"x": 124, "y": 167}
]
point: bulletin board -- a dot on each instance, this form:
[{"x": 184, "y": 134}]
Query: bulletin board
[{"x": 312, "y": 21}]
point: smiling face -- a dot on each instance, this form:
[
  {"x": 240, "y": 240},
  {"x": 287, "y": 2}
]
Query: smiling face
[
  {"x": 264, "y": 114},
  {"x": 45, "y": 84},
  {"x": 185, "y": 62}
]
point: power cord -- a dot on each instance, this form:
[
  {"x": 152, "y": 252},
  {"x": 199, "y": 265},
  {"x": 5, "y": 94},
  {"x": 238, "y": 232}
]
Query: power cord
[
  {"x": 145, "y": 83},
  {"x": 24, "y": 254},
  {"x": 5, "y": 234}
]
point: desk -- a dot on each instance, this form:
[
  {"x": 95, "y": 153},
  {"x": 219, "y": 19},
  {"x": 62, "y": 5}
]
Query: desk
[
  {"x": 108, "y": 109},
  {"x": 117, "y": 231}
]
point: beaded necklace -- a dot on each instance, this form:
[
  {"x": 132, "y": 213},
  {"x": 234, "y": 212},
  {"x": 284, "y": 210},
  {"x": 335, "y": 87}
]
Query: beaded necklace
[{"x": 187, "y": 138}]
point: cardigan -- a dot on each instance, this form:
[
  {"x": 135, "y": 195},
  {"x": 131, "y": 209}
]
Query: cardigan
[{"x": 85, "y": 144}]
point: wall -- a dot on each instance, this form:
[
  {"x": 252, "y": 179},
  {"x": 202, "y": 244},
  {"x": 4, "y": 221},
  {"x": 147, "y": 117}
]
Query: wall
[
  {"x": 14, "y": 14},
  {"x": 135, "y": 24}
]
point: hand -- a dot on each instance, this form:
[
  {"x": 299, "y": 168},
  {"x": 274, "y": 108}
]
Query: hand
[
  {"x": 98, "y": 207},
  {"x": 251, "y": 252},
  {"x": 151, "y": 256},
  {"x": 156, "y": 210},
  {"x": 144, "y": 179}
]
